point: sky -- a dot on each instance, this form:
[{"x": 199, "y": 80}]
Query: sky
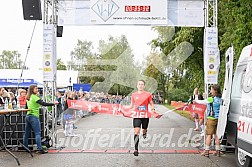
[{"x": 15, "y": 34}]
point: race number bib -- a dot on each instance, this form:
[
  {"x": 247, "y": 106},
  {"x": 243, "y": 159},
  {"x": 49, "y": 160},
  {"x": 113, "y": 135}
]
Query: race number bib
[{"x": 141, "y": 108}]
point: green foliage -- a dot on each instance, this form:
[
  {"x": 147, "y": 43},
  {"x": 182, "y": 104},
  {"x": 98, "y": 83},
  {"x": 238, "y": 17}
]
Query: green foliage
[
  {"x": 187, "y": 75},
  {"x": 61, "y": 65},
  {"x": 185, "y": 114},
  {"x": 178, "y": 95},
  {"x": 120, "y": 90},
  {"x": 234, "y": 27},
  {"x": 11, "y": 60},
  {"x": 118, "y": 50},
  {"x": 79, "y": 56},
  {"x": 113, "y": 65}
]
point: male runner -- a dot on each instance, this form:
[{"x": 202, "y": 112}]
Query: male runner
[{"x": 139, "y": 102}]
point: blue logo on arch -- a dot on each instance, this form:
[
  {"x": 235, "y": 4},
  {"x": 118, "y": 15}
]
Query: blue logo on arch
[{"x": 105, "y": 9}]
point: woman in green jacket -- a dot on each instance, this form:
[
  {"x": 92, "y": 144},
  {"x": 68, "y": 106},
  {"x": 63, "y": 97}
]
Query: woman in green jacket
[{"x": 32, "y": 122}]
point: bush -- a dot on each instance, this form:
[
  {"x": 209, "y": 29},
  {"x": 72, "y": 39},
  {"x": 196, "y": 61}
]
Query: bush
[{"x": 178, "y": 95}]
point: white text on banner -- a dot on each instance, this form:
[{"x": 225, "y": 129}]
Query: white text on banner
[
  {"x": 211, "y": 55},
  {"x": 49, "y": 64}
]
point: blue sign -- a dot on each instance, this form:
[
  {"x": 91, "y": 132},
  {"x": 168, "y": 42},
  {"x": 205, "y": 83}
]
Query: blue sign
[
  {"x": 83, "y": 87},
  {"x": 13, "y": 82}
]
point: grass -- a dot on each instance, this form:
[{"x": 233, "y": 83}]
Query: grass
[{"x": 181, "y": 112}]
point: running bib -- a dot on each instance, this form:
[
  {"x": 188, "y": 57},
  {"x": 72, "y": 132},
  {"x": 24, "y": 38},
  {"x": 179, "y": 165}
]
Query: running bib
[{"x": 140, "y": 108}]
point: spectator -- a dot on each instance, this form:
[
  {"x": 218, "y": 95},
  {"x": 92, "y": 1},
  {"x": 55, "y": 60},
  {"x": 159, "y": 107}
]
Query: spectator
[
  {"x": 69, "y": 96},
  {"x": 13, "y": 99},
  {"x": 190, "y": 100},
  {"x": 21, "y": 98},
  {"x": 213, "y": 109},
  {"x": 196, "y": 96},
  {"x": 2, "y": 100},
  {"x": 32, "y": 121},
  {"x": 59, "y": 107}
]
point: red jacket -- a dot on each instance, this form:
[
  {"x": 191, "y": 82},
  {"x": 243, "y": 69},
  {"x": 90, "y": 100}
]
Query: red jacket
[{"x": 22, "y": 100}]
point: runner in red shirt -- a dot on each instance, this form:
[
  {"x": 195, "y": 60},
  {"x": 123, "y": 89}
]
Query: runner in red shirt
[{"x": 139, "y": 102}]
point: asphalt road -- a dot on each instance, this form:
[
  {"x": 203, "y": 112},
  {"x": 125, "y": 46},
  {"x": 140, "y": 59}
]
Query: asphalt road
[{"x": 107, "y": 141}]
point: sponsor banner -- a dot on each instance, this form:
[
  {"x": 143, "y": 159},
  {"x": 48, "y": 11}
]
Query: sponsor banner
[
  {"x": 128, "y": 12},
  {"x": 11, "y": 81},
  {"x": 184, "y": 13},
  {"x": 120, "y": 12},
  {"x": 106, "y": 108},
  {"x": 211, "y": 56},
  {"x": 194, "y": 108},
  {"x": 113, "y": 109},
  {"x": 132, "y": 12},
  {"x": 49, "y": 52},
  {"x": 82, "y": 105}
]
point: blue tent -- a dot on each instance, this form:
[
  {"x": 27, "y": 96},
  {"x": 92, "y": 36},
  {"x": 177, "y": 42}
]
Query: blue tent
[
  {"x": 23, "y": 83},
  {"x": 84, "y": 87}
]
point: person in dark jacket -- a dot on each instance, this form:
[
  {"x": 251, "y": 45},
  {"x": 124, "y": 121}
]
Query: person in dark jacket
[{"x": 2, "y": 100}]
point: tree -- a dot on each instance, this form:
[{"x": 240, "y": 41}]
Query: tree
[
  {"x": 155, "y": 69},
  {"x": 234, "y": 27},
  {"x": 80, "y": 55},
  {"x": 111, "y": 70},
  {"x": 61, "y": 65},
  {"x": 176, "y": 44},
  {"x": 116, "y": 53},
  {"x": 11, "y": 60}
]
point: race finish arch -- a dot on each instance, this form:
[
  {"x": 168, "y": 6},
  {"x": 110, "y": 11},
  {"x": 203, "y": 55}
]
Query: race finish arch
[
  {"x": 132, "y": 12},
  {"x": 182, "y": 13}
]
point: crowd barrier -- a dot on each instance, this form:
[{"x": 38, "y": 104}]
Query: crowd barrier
[{"x": 10, "y": 139}]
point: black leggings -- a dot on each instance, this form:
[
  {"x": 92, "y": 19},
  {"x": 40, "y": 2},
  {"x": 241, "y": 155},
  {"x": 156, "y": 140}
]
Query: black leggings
[{"x": 137, "y": 122}]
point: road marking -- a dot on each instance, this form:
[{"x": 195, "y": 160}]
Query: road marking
[{"x": 128, "y": 151}]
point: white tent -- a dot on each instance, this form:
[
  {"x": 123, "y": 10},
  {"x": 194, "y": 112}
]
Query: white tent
[{"x": 62, "y": 76}]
